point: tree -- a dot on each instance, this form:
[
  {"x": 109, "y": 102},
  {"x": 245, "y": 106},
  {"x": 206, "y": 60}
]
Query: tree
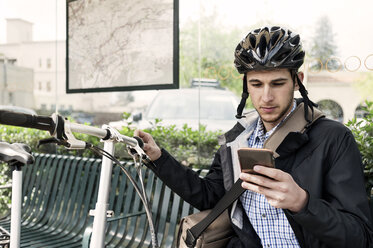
[
  {"x": 217, "y": 46},
  {"x": 324, "y": 48}
]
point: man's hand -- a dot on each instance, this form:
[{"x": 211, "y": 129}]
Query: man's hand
[
  {"x": 150, "y": 147},
  {"x": 280, "y": 189}
]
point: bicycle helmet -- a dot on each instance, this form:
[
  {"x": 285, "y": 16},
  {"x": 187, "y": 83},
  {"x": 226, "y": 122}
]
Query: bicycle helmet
[{"x": 270, "y": 48}]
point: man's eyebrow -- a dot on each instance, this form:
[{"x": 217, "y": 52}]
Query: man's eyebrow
[
  {"x": 254, "y": 80},
  {"x": 278, "y": 80}
]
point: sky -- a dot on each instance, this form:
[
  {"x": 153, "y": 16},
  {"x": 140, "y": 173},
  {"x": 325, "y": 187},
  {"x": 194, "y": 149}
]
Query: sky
[
  {"x": 349, "y": 18},
  {"x": 40, "y": 12}
]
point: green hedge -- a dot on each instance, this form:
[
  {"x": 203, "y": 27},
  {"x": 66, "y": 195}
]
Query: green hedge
[{"x": 183, "y": 143}]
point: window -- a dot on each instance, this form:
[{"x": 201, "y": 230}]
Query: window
[
  {"x": 11, "y": 98},
  {"x": 48, "y": 86},
  {"x": 49, "y": 63}
]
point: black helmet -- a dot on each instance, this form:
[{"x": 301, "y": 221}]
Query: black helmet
[
  {"x": 270, "y": 48},
  {"x": 267, "y": 48}
]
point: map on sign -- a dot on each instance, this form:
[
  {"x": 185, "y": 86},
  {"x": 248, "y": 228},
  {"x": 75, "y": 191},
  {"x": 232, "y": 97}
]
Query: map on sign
[{"x": 116, "y": 45}]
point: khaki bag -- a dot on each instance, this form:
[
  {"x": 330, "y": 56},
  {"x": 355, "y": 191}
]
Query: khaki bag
[{"x": 216, "y": 235}]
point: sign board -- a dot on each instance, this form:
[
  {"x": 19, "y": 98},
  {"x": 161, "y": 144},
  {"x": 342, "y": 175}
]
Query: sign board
[{"x": 122, "y": 45}]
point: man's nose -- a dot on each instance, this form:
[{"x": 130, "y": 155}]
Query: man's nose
[{"x": 267, "y": 94}]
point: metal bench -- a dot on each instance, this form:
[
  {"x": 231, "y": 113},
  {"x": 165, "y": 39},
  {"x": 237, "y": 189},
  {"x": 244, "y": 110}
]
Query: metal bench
[{"x": 59, "y": 192}]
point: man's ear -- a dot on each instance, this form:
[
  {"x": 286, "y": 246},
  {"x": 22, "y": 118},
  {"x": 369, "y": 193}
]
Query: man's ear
[{"x": 301, "y": 77}]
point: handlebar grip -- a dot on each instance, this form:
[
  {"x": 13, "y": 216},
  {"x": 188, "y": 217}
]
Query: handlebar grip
[
  {"x": 139, "y": 141},
  {"x": 25, "y": 120}
]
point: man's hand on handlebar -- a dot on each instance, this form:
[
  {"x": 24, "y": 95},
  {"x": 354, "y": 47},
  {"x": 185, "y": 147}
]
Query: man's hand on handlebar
[{"x": 150, "y": 147}]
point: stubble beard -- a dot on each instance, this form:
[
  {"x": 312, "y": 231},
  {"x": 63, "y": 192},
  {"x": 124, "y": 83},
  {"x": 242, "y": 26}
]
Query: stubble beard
[{"x": 276, "y": 119}]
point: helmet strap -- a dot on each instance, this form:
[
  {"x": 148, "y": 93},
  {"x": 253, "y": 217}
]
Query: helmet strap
[
  {"x": 244, "y": 96},
  {"x": 304, "y": 93}
]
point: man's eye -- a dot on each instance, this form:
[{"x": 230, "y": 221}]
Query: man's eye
[
  {"x": 256, "y": 85},
  {"x": 278, "y": 84}
]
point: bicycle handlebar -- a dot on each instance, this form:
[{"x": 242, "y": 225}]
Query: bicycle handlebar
[
  {"x": 57, "y": 126},
  {"x": 94, "y": 131},
  {"x": 104, "y": 133}
]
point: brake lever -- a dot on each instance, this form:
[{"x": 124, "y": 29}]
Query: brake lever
[{"x": 52, "y": 140}]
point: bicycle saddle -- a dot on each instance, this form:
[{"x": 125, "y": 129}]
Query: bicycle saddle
[{"x": 16, "y": 152}]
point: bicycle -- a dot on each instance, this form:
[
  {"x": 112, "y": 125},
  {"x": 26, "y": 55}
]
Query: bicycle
[{"x": 62, "y": 131}]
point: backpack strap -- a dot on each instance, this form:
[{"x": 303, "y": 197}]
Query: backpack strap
[{"x": 294, "y": 123}]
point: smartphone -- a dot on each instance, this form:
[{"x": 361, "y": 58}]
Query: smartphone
[{"x": 249, "y": 157}]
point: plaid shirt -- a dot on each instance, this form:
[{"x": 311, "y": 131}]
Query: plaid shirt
[{"x": 270, "y": 223}]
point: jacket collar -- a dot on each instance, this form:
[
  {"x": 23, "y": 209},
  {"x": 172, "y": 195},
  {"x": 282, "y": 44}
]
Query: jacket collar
[{"x": 286, "y": 139}]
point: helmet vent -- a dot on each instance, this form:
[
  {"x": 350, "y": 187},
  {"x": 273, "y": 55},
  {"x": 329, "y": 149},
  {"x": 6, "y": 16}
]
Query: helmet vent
[
  {"x": 299, "y": 56},
  {"x": 274, "y": 38},
  {"x": 262, "y": 46},
  {"x": 246, "y": 55},
  {"x": 252, "y": 40},
  {"x": 280, "y": 56},
  {"x": 274, "y": 28},
  {"x": 295, "y": 40}
]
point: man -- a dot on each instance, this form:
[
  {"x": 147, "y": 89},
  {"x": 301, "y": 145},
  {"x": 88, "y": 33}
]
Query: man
[{"x": 315, "y": 197}]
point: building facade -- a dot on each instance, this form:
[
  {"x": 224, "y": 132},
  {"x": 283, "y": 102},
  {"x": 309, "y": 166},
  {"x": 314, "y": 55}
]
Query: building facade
[
  {"x": 47, "y": 61},
  {"x": 16, "y": 84}
]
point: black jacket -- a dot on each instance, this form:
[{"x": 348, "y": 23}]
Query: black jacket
[{"x": 325, "y": 161}]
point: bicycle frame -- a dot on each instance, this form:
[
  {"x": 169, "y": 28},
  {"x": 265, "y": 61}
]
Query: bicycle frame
[
  {"x": 15, "y": 212},
  {"x": 100, "y": 212}
]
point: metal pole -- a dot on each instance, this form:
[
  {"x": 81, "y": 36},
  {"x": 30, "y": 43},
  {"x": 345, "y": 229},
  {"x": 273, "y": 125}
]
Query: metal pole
[
  {"x": 99, "y": 222},
  {"x": 5, "y": 78},
  {"x": 15, "y": 222}
]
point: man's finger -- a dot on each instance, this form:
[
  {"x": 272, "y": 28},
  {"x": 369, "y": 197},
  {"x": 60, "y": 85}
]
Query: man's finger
[
  {"x": 256, "y": 188},
  {"x": 143, "y": 135},
  {"x": 136, "y": 133},
  {"x": 270, "y": 172},
  {"x": 258, "y": 179},
  {"x": 146, "y": 147}
]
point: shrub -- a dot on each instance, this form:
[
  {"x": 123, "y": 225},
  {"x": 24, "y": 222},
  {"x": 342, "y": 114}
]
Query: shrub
[
  {"x": 5, "y": 194},
  {"x": 363, "y": 132},
  {"x": 194, "y": 148}
]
